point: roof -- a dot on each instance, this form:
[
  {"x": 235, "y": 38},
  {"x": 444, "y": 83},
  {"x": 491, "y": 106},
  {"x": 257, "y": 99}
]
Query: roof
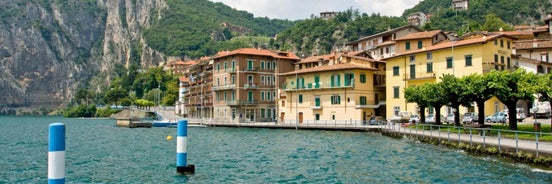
[
  {"x": 386, "y": 32},
  {"x": 449, "y": 44},
  {"x": 334, "y": 67},
  {"x": 258, "y": 52},
  {"x": 314, "y": 59},
  {"x": 420, "y": 35},
  {"x": 530, "y": 44},
  {"x": 518, "y": 34}
]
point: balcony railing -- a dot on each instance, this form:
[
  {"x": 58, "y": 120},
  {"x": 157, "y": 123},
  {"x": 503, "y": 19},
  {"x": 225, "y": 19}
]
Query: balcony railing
[
  {"x": 223, "y": 87},
  {"x": 250, "y": 86},
  {"x": 241, "y": 102},
  {"x": 314, "y": 106},
  {"x": 320, "y": 86},
  {"x": 420, "y": 75},
  {"x": 231, "y": 70}
]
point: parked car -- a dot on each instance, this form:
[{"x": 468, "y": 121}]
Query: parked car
[
  {"x": 415, "y": 118},
  {"x": 499, "y": 117},
  {"x": 520, "y": 114},
  {"x": 449, "y": 118},
  {"x": 470, "y": 118},
  {"x": 430, "y": 119}
]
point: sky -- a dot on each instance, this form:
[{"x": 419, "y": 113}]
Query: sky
[{"x": 302, "y": 9}]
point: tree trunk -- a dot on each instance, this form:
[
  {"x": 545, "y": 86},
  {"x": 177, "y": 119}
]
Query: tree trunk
[
  {"x": 438, "y": 115},
  {"x": 422, "y": 114},
  {"x": 456, "y": 114},
  {"x": 512, "y": 125},
  {"x": 481, "y": 111}
]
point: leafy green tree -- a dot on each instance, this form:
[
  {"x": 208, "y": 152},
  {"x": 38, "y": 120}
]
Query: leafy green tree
[
  {"x": 436, "y": 97},
  {"x": 494, "y": 23},
  {"x": 453, "y": 94},
  {"x": 544, "y": 87},
  {"x": 417, "y": 94},
  {"x": 84, "y": 95},
  {"x": 475, "y": 90},
  {"x": 115, "y": 95},
  {"x": 510, "y": 87}
]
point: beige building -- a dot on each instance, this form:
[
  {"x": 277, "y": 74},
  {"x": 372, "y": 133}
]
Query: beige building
[
  {"x": 195, "y": 90},
  {"x": 372, "y": 41},
  {"x": 245, "y": 83},
  {"x": 344, "y": 87}
]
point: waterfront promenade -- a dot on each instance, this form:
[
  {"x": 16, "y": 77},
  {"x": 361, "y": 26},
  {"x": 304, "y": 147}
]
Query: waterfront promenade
[{"x": 467, "y": 136}]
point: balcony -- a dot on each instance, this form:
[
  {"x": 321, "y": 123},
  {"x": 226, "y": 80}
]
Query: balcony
[
  {"x": 370, "y": 105},
  {"x": 241, "y": 102},
  {"x": 230, "y": 70},
  {"x": 320, "y": 86},
  {"x": 223, "y": 87},
  {"x": 315, "y": 106},
  {"x": 420, "y": 75},
  {"x": 250, "y": 86}
]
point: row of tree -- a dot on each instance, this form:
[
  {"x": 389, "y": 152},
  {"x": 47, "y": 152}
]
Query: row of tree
[{"x": 508, "y": 87}]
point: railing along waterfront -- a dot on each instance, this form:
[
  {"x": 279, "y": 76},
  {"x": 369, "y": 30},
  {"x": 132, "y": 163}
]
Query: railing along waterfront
[{"x": 502, "y": 139}]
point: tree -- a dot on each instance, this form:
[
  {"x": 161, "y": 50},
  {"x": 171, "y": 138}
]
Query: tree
[
  {"x": 84, "y": 95},
  {"x": 115, "y": 95},
  {"x": 435, "y": 95},
  {"x": 510, "y": 87},
  {"x": 416, "y": 94},
  {"x": 494, "y": 23},
  {"x": 475, "y": 90},
  {"x": 453, "y": 93}
]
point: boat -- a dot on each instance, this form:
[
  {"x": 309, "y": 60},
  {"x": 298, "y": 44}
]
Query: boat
[{"x": 164, "y": 123}]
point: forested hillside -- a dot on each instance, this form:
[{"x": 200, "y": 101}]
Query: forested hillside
[
  {"x": 513, "y": 12},
  {"x": 319, "y": 36},
  {"x": 193, "y": 28}
]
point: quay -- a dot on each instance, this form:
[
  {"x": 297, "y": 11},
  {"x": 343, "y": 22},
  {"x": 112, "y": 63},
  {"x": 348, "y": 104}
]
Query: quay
[{"x": 458, "y": 135}]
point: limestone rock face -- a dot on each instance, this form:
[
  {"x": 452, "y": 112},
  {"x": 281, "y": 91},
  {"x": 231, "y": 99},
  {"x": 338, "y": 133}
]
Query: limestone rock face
[{"x": 50, "y": 48}]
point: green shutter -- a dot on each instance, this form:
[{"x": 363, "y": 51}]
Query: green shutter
[
  {"x": 332, "y": 81},
  {"x": 338, "y": 80}
]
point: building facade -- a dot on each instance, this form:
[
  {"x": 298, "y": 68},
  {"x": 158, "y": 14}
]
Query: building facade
[
  {"x": 245, "y": 83},
  {"x": 346, "y": 87},
  {"x": 372, "y": 41},
  {"x": 477, "y": 53}
]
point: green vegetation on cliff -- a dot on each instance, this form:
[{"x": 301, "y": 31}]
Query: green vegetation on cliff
[{"x": 195, "y": 28}]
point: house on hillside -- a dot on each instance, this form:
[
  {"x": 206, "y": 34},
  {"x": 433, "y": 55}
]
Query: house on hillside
[
  {"x": 418, "y": 19},
  {"x": 460, "y": 4},
  {"x": 328, "y": 15},
  {"x": 372, "y": 41}
]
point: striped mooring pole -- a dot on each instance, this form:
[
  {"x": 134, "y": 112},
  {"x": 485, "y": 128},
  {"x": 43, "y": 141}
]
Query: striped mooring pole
[
  {"x": 181, "y": 144},
  {"x": 56, "y": 153}
]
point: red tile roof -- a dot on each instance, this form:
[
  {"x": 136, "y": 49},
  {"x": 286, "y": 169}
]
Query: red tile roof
[
  {"x": 258, "y": 52},
  {"x": 183, "y": 79},
  {"x": 314, "y": 59},
  {"x": 532, "y": 44},
  {"x": 420, "y": 35},
  {"x": 334, "y": 67}
]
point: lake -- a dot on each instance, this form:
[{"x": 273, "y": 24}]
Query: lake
[{"x": 99, "y": 152}]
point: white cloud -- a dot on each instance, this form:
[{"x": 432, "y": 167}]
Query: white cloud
[{"x": 302, "y": 9}]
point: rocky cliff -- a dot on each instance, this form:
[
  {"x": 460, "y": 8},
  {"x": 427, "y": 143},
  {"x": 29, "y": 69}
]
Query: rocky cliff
[{"x": 50, "y": 48}]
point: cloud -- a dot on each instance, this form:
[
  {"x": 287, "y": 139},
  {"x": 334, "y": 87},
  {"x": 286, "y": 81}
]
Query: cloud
[{"x": 303, "y": 9}]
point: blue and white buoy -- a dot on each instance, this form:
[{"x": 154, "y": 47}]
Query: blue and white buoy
[
  {"x": 181, "y": 144},
  {"x": 56, "y": 153}
]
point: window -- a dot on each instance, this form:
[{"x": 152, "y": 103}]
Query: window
[
  {"x": 233, "y": 64},
  {"x": 250, "y": 79},
  {"x": 268, "y": 65},
  {"x": 225, "y": 95},
  {"x": 300, "y": 83},
  {"x": 502, "y": 43},
  {"x": 225, "y": 65},
  {"x": 335, "y": 81},
  {"x": 396, "y": 71},
  {"x": 468, "y": 60},
  {"x": 268, "y": 113},
  {"x": 233, "y": 97},
  {"x": 218, "y": 96},
  {"x": 274, "y": 65},
  {"x": 449, "y": 62},
  {"x": 349, "y": 79},
  {"x": 362, "y": 100},
  {"x": 420, "y": 44},
  {"x": 317, "y": 82},
  {"x": 225, "y": 80},
  {"x": 262, "y": 80},
  {"x": 300, "y": 99},
  {"x": 407, "y": 45},
  {"x": 262, "y": 113},
  {"x": 268, "y": 82},
  {"x": 496, "y": 42},
  {"x": 429, "y": 67},
  {"x": 218, "y": 81},
  {"x": 508, "y": 62},
  {"x": 396, "y": 110},
  {"x": 250, "y": 65},
  {"x": 262, "y": 65},
  {"x": 317, "y": 101},
  {"x": 268, "y": 96},
  {"x": 218, "y": 67},
  {"x": 362, "y": 78},
  {"x": 336, "y": 99},
  {"x": 429, "y": 56},
  {"x": 412, "y": 58},
  {"x": 233, "y": 78},
  {"x": 502, "y": 61},
  {"x": 262, "y": 96},
  {"x": 274, "y": 95},
  {"x": 508, "y": 44},
  {"x": 396, "y": 92},
  {"x": 316, "y": 117}
]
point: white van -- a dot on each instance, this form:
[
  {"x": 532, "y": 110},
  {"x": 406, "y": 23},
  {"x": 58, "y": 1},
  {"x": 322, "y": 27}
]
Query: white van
[{"x": 520, "y": 114}]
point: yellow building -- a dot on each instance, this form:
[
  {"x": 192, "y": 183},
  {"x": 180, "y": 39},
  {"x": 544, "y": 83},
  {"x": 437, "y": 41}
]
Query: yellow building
[
  {"x": 345, "y": 88},
  {"x": 474, "y": 53}
]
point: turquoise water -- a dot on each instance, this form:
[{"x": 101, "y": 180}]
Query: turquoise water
[{"x": 99, "y": 152}]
